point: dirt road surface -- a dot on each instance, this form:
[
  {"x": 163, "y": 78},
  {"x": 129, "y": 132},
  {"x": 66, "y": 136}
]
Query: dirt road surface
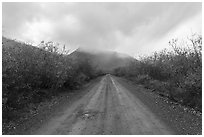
[{"x": 108, "y": 108}]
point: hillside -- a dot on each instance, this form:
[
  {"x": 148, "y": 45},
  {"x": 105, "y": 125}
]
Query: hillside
[
  {"x": 31, "y": 75},
  {"x": 105, "y": 60}
]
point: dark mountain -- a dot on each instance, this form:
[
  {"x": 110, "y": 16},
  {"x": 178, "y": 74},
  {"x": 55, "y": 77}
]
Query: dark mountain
[{"x": 104, "y": 60}]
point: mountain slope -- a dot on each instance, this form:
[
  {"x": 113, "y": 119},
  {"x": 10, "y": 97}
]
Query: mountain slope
[{"x": 106, "y": 61}]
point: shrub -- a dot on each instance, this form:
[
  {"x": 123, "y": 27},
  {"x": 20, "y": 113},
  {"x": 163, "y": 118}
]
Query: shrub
[
  {"x": 177, "y": 71},
  {"x": 27, "y": 71},
  {"x": 143, "y": 79}
]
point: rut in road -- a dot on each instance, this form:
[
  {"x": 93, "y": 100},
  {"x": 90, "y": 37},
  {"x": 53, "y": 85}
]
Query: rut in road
[{"x": 108, "y": 108}]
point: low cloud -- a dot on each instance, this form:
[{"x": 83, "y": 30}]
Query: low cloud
[{"x": 124, "y": 27}]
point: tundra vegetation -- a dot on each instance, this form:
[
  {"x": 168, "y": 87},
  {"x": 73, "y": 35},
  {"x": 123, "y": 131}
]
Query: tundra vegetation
[
  {"x": 175, "y": 73},
  {"x": 32, "y": 74}
]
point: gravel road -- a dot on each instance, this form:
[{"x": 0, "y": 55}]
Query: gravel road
[{"x": 108, "y": 108}]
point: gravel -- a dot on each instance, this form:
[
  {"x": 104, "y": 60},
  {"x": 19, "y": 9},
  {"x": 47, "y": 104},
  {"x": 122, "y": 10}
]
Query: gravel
[{"x": 183, "y": 120}]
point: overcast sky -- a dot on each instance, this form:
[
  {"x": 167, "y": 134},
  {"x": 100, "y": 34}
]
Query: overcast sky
[{"x": 132, "y": 28}]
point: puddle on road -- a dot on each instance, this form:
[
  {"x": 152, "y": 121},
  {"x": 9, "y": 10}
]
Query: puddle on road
[{"x": 88, "y": 114}]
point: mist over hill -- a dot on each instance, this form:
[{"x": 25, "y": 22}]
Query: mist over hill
[{"x": 106, "y": 61}]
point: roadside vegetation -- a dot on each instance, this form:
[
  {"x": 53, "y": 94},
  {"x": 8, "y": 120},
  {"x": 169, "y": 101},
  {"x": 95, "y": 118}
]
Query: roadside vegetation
[
  {"x": 31, "y": 74},
  {"x": 176, "y": 73}
]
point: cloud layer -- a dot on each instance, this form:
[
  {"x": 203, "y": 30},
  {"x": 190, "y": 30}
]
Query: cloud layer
[{"x": 125, "y": 27}]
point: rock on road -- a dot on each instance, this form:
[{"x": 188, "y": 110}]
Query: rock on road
[{"x": 108, "y": 108}]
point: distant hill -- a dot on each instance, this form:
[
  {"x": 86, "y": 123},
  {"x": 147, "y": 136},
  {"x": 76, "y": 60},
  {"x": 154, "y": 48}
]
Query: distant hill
[{"x": 104, "y": 60}]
